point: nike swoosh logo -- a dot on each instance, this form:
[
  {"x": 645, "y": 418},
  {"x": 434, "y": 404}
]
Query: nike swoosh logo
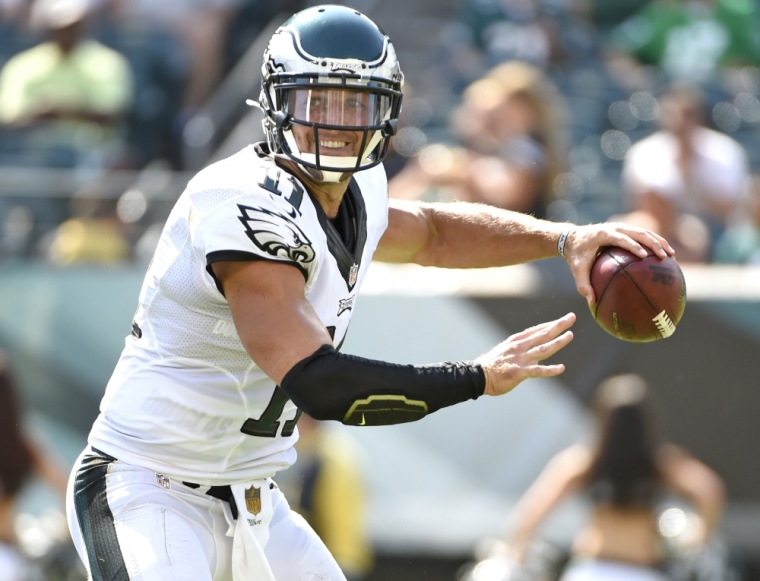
[{"x": 363, "y": 422}]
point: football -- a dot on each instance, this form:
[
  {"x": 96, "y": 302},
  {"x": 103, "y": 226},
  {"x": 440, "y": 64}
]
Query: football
[{"x": 637, "y": 299}]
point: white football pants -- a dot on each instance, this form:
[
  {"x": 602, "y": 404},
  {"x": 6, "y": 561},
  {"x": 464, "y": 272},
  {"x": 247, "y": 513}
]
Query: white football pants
[{"x": 130, "y": 524}]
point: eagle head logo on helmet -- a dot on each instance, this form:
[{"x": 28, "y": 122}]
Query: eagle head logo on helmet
[{"x": 326, "y": 51}]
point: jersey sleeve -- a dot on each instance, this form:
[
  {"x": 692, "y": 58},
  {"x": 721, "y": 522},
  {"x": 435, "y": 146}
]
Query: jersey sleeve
[{"x": 250, "y": 227}]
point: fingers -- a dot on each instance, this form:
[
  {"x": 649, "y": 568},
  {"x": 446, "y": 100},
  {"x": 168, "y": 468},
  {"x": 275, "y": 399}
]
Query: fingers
[
  {"x": 583, "y": 282},
  {"x": 635, "y": 239},
  {"x": 517, "y": 358},
  {"x": 547, "y": 329},
  {"x": 546, "y": 350},
  {"x": 587, "y": 292},
  {"x": 545, "y": 370},
  {"x": 654, "y": 241}
]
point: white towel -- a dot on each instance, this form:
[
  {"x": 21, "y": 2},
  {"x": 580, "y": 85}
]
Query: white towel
[{"x": 250, "y": 531}]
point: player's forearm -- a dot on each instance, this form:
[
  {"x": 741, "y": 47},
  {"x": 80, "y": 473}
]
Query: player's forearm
[
  {"x": 329, "y": 385},
  {"x": 478, "y": 236}
]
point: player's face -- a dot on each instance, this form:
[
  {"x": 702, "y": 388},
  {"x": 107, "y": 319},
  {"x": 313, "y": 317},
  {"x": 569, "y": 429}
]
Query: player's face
[{"x": 336, "y": 107}]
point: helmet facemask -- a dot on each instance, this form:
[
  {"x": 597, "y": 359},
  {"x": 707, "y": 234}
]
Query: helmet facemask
[
  {"x": 316, "y": 115},
  {"x": 319, "y": 86}
]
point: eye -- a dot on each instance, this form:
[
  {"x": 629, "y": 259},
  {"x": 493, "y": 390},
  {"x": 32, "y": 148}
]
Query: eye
[{"x": 356, "y": 103}]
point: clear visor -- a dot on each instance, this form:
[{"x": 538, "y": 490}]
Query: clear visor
[{"x": 337, "y": 106}]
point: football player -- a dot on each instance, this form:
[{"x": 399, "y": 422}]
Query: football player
[{"x": 247, "y": 301}]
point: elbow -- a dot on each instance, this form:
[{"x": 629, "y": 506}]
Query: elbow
[
  {"x": 309, "y": 404},
  {"x": 313, "y": 387},
  {"x": 311, "y": 401}
]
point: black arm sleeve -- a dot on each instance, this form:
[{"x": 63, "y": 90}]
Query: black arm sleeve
[{"x": 329, "y": 385}]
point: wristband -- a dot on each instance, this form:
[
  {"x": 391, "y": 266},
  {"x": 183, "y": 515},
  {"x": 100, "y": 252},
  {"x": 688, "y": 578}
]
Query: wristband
[{"x": 562, "y": 240}]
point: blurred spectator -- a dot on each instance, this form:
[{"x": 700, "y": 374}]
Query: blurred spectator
[
  {"x": 740, "y": 243},
  {"x": 87, "y": 240},
  {"x": 688, "y": 39},
  {"x": 250, "y": 17},
  {"x": 511, "y": 126},
  {"x": 20, "y": 459},
  {"x": 685, "y": 180},
  {"x": 11, "y": 10},
  {"x": 608, "y": 13},
  {"x": 93, "y": 234},
  {"x": 325, "y": 487},
  {"x": 625, "y": 474},
  {"x": 70, "y": 93},
  {"x": 539, "y": 32},
  {"x": 200, "y": 25}
]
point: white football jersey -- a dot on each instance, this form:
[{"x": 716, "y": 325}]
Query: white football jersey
[{"x": 185, "y": 399}]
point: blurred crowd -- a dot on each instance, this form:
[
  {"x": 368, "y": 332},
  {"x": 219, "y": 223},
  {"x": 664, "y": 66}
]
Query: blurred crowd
[
  {"x": 112, "y": 83},
  {"x": 592, "y": 110},
  {"x": 91, "y": 88},
  {"x": 645, "y": 111}
]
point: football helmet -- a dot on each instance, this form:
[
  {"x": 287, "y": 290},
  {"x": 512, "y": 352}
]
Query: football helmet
[{"x": 329, "y": 70}]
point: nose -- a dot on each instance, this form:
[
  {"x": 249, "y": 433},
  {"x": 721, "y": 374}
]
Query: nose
[{"x": 332, "y": 115}]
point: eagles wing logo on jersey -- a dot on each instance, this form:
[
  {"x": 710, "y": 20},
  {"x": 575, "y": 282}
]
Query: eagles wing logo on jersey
[{"x": 276, "y": 234}]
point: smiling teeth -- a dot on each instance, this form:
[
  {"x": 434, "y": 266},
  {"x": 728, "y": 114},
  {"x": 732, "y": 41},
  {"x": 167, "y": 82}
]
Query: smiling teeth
[{"x": 333, "y": 144}]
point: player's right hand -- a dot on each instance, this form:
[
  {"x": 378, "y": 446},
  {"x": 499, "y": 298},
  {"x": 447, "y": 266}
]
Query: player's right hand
[
  {"x": 584, "y": 243},
  {"x": 518, "y": 357}
]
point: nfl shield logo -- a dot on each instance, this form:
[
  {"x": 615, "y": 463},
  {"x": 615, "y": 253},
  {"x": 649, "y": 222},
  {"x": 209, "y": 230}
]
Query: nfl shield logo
[
  {"x": 253, "y": 500},
  {"x": 163, "y": 481},
  {"x": 352, "y": 275}
]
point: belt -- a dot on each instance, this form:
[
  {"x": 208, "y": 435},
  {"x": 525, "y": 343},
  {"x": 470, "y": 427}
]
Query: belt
[{"x": 221, "y": 492}]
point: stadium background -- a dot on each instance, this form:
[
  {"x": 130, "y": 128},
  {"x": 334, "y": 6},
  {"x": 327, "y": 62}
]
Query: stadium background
[{"x": 438, "y": 487}]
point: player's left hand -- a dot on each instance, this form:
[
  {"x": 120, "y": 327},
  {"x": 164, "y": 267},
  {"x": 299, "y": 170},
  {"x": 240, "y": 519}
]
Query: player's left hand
[
  {"x": 584, "y": 242},
  {"x": 519, "y": 356}
]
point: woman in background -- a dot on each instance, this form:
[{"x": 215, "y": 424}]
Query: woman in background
[
  {"x": 511, "y": 130},
  {"x": 624, "y": 475},
  {"x": 20, "y": 459}
]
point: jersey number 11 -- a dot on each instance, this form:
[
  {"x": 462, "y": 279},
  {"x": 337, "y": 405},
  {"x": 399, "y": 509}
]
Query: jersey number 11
[{"x": 269, "y": 422}]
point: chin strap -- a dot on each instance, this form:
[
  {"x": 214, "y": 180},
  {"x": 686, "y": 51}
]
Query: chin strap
[
  {"x": 347, "y": 164},
  {"x": 332, "y": 177},
  {"x": 320, "y": 175}
]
